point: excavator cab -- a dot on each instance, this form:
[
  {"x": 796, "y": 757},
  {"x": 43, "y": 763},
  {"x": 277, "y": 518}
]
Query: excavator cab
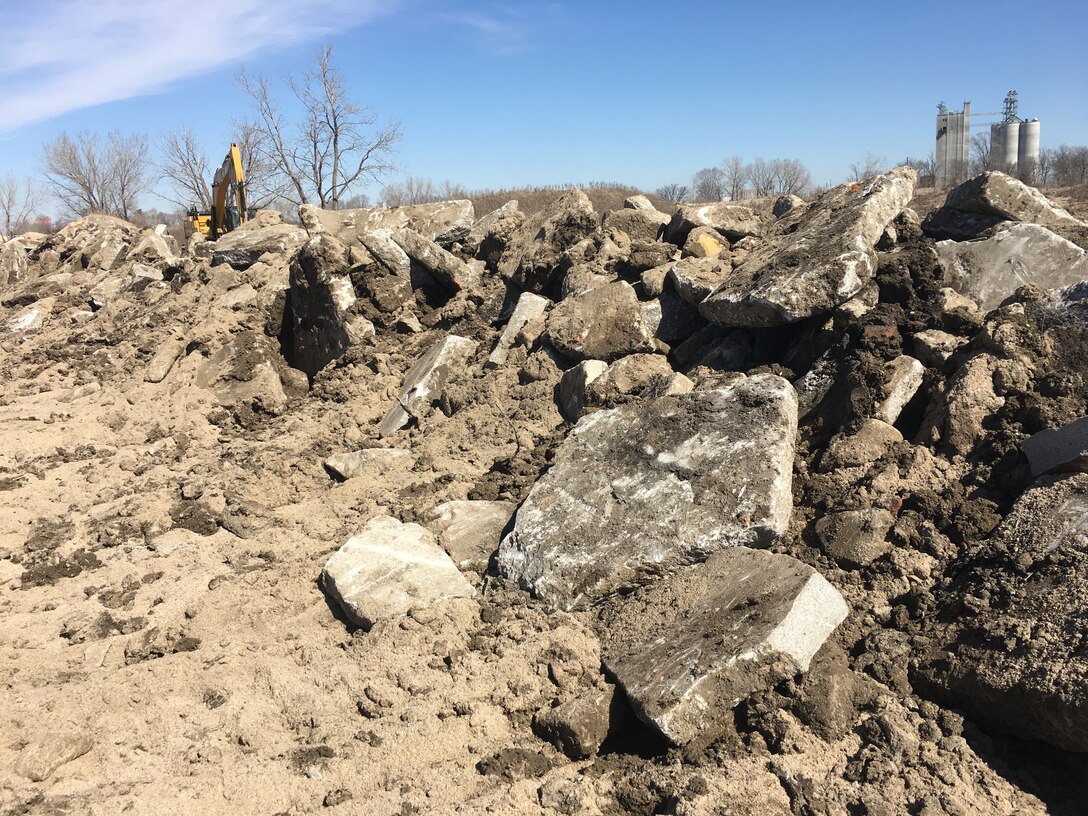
[{"x": 229, "y": 203}]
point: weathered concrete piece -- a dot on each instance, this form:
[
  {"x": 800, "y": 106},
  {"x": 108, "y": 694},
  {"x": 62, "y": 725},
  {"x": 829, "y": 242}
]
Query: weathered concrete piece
[
  {"x": 248, "y": 373},
  {"x": 856, "y": 537},
  {"x": 321, "y": 295},
  {"x": 579, "y": 727},
  {"x": 981, "y": 203},
  {"x": 705, "y": 242},
  {"x": 687, "y": 649},
  {"x": 734, "y": 221},
  {"x": 40, "y": 758},
  {"x": 991, "y": 270},
  {"x": 389, "y": 568},
  {"x": 826, "y": 261},
  {"x": 934, "y": 346},
  {"x": 529, "y": 307},
  {"x": 1065, "y": 448},
  {"x": 424, "y": 382},
  {"x": 573, "y": 386},
  {"x": 1015, "y": 659},
  {"x": 444, "y": 222},
  {"x": 638, "y": 202},
  {"x": 380, "y": 244},
  {"x": 243, "y": 248},
  {"x": 448, "y": 269},
  {"x": 905, "y": 375},
  {"x": 345, "y": 466},
  {"x": 640, "y": 490},
  {"x": 602, "y": 324},
  {"x": 632, "y": 375},
  {"x": 640, "y": 224},
  {"x": 532, "y": 255},
  {"x": 163, "y": 360},
  {"x": 696, "y": 278},
  {"x": 470, "y": 531}
]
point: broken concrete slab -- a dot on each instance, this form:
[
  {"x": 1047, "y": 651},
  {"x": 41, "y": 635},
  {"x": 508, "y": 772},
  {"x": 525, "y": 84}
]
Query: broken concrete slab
[
  {"x": 824, "y": 262},
  {"x": 640, "y": 224},
  {"x": 694, "y": 279},
  {"x": 534, "y": 250},
  {"x": 387, "y": 569},
  {"x": 163, "y": 360},
  {"x": 641, "y": 490},
  {"x": 529, "y": 307},
  {"x": 573, "y": 385},
  {"x": 248, "y": 374},
  {"x": 1064, "y": 448},
  {"x": 447, "y": 269},
  {"x": 978, "y": 205},
  {"x": 423, "y": 384},
  {"x": 579, "y": 727},
  {"x": 42, "y": 756},
  {"x": 602, "y": 324},
  {"x": 629, "y": 377},
  {"x": 934, "y": 346},
  {"x": 470, "y": 531},
  {"x": 856, "y": 537},
  {"x": 444, "y": 222},
  {"x": 905, "y": 376},
  {"x": 689, "y": 648},
  {"x": 375, "y": 461},
  {"x": 243, "y": 248},
  {"x": 1010, "y": 652},
  {"x": 733, "y": 221},
  {"x": 991, "y": 270}
]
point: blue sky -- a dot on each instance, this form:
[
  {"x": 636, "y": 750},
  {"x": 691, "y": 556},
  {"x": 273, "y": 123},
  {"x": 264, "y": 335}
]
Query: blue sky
[{"x": 502, "y": 94}]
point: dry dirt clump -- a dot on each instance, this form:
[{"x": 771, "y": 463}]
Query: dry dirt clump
[{"x": 189, "y": 433}]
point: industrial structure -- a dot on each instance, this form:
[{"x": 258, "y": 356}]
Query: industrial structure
[
  {"x": 1014, "y": 143},
  {"x": 953, "y": 144}
]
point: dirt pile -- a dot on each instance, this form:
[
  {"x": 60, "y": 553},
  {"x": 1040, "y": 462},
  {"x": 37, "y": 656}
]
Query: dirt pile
[{"x": 260, "y": 552}]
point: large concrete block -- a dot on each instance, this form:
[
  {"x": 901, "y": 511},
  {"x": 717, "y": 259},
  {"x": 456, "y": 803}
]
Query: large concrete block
[
  {"x": 824, "y": 262},
  {"x": 423, "y": 384},
  {"x": 639, "y": 491},
  {"x": 687, "y": 649},
  {"x": 529, "y": 307},
  {"x": 601, "y": 324},
  {"x": 389, "y": 568},
  {"x": 1065, "y": 448}
]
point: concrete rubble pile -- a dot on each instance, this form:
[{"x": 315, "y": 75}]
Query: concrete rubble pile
[{"x": 727, "y": 509}]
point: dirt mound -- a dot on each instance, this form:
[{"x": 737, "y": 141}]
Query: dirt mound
[{"x": 190, "y": 434}]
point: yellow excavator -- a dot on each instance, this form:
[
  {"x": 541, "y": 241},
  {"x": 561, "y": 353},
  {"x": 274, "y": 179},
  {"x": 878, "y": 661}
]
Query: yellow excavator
[{"x": 229, "y": 204}]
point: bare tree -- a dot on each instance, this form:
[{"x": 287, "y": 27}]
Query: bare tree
[
  {"x": 18, "y": 202},
  {"x": 1070, "y": 166},
  {"x": 980, "y": 159},
  {"x": 763, "y": 175},
  {"x": 872, "y": 165},
  {"x": 793, "y": 177},
  {"x": 735, "y": 176},
  {"x": 90, "y": 175},
  {"x": 1044, "y": 167},
  {"x": 676, "y": 193},
  {"x": 708, "y": 184},
  {"x": 182, "y": 164},
  {"x": 333, "y": 146}
]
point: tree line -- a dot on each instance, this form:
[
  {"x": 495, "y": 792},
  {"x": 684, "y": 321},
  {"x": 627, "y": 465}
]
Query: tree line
[{"x": 319, "y": 154}]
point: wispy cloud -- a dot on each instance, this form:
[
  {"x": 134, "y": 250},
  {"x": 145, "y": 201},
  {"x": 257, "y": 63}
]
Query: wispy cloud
[
  {"x": 58, "y": 56},
  {"x": 506, "y": 29}
]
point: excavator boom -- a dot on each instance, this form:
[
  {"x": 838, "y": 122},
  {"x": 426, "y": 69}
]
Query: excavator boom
[{"x": 230, "y": 206}]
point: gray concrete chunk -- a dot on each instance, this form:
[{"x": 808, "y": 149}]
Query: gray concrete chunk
[
  {"x": 1065, "y": 448},
  {"x": 641, "y": 490},
  {"x": 905, "y": 375},
  {"x": 991, "y": 270},
  {"x": 602, "y": 324},
  {"x": 424, "y": 382},
  {"x": 824, "y": 262},
  {"x": 470, "y": 531},
  {"x": 389, "y": 568},
  {"x": 687, "y": 649},
  {"x": 529, "y": 307},
  {"x": 345, "y": 466}
]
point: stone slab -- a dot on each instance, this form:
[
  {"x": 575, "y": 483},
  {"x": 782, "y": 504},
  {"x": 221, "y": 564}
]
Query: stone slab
[
  {"x": 641, "y": 490},
  {"x": 389, "y": 568},
  {"x": 689, "y": 648},
  {"x": 423, "y": 384}
]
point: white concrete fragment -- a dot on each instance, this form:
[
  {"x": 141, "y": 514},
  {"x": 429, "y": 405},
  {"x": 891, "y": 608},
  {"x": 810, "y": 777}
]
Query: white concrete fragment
[
  {"x": 372, "y": 460},
  {"x": 529, "y": 307},
  {"x": 425, "y": 380},
  {"x": 388, "y": 569},
  {"x": 905, "y": 375}
]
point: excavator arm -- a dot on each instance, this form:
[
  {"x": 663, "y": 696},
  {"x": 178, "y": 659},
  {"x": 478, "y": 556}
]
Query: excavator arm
[{"x": 226, "y": 213}]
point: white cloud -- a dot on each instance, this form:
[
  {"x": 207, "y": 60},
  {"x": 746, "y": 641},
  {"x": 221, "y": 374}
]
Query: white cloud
[
  {"x": 505, "y": 29},
  {"x": 58, "y": 56}
]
